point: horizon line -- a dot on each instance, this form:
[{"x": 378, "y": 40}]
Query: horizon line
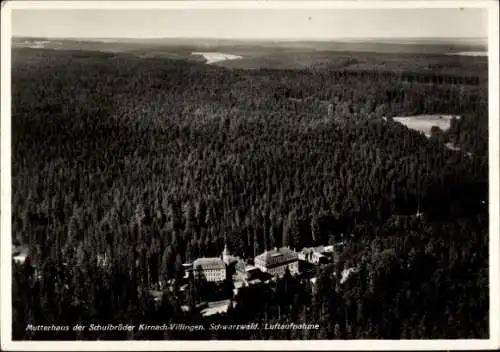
[{"x": 257, "y": 39}]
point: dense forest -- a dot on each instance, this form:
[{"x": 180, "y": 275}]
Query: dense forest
[{"x": 155, "y": 162}]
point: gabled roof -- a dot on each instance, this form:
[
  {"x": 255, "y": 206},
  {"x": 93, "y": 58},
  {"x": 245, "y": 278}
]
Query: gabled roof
[
  {"x": 277, "y": 257},
  {"x": 319, "y": 249},
  {"x": 219, "y": 307},
  {"x": 209, "y": 264}
]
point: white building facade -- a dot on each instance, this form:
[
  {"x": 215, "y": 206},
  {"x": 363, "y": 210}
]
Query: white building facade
[
  {"x": 312, "y": 255},
  {"x": 275, "y": 262},
  {"x": 210, "y": 269}
]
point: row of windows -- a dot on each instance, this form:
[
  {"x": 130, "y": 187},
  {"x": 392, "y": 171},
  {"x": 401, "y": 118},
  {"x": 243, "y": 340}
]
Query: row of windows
[
  {"x": 280, "y": 270},
  {"x": 212, "y": 275},
  {"x": 274, "y": 260}
]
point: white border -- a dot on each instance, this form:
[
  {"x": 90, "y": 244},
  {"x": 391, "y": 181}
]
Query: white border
[{"x": 5, "y": 190}]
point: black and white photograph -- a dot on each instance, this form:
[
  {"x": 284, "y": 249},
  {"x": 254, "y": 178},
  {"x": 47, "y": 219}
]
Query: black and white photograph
[{"x": 250, "y": 172}]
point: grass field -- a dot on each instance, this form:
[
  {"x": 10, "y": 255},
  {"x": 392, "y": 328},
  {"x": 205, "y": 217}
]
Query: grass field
[
  {"x": 213, "y": 57},
  {"x": 424, "y": 123}
]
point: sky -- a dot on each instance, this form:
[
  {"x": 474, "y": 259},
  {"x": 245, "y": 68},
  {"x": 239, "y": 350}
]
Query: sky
[{"x": 251, "y": 23}]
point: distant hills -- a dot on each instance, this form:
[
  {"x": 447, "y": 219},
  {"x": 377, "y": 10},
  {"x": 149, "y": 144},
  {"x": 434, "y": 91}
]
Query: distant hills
[
  {"x": 278, "y": 54},
  {"x": 350, "y": 43}
]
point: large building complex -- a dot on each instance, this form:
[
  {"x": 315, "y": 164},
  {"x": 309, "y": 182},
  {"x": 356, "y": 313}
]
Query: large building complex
[
  {"x": 276, "y": 261},
  {"x": 211, "y": 269}
]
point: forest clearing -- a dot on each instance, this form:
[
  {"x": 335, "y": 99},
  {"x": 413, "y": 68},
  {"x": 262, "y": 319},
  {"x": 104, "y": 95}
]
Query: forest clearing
[
  {"x": 212, "y": 57},
  {"x": 424, "y": 123}
]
